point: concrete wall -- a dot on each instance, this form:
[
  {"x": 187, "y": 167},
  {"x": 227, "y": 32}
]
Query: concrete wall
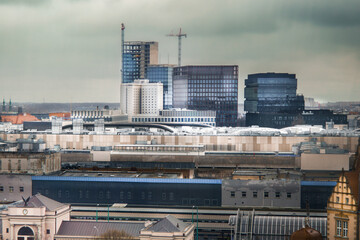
[
  {"x": 330, "y": 162},
  {"x": 32, "y": 163},
  {"x": 76, "y": 157},
  {"x": 214, "y": 161},
  {"x": 15, "y": 182},
  {"x": 212, "y": 143},
  {"x": 232, "y": 193}
]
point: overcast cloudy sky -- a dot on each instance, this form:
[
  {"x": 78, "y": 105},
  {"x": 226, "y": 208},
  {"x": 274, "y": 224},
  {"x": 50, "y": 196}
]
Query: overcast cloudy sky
[{"x": 69, "y": 50}]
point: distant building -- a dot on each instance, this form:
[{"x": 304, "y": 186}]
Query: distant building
[
  {"x": 162, "y": 73},
  {"x": 208, "y": 88},
  {"x": 141, "y": 97},
  {"x": 18, "y": 119},
  {"x": 271, "y": 101},
  {"x": 32, "y": 163},
  {"x": 137, "y": 56},
  {"x": 179, "y": 117}
]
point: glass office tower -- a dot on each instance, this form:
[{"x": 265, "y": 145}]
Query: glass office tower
[
  {"x": 208, "y": 88},
  {"x": 162, "y": 73},
  {"x": 137, "y": 56},
  {"x": 271, "y": 100}
]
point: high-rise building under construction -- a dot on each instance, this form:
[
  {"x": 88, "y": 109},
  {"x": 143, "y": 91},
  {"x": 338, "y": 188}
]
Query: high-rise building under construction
[{"x": 136, "y": 58}]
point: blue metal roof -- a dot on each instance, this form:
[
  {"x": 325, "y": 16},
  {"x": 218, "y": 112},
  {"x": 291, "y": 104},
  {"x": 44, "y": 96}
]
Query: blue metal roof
[
  {"x": 319, "y": 183},
  {"x": 134, "y": 180}
]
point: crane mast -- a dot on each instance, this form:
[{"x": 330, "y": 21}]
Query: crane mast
[{"x": 179, "y": 35}]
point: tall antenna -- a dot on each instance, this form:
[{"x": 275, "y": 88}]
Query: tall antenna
[
  {"x": 179, "y": 35},
  {"x": 122, "y": 50}
]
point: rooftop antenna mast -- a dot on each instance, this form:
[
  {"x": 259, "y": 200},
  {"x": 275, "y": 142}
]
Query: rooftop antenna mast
[
  {"x": 179, "y": 35},
  {"x": 122, "y": 50}
]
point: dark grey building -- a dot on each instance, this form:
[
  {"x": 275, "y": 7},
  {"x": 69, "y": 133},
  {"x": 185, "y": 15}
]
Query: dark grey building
[
  {"x": 208, "y": 88},
  {"x": 261, "y": 193},
  {"x": 271, "y": 101},
  {"x": 14, "y": 186}
]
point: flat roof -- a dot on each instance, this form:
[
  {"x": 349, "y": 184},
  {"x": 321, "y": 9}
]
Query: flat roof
[
  {"x": 319, "y": 183},
  {"x": 129, "y": 180},
  {"x": 113, "y": 174}
]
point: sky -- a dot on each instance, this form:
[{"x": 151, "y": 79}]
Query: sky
[{"x": 69, "y": 50}]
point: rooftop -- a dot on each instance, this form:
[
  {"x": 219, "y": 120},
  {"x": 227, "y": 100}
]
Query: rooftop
[{"x": 89, "y": 228}]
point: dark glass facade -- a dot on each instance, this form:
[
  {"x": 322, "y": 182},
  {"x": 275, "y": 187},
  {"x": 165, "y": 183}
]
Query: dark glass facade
[
  {"x": 137, "y": 56},
  {"x": 163, "y": 74},
  {"x": 271, "y": 101},
  {"x": 208, "y": 88},
  {"x": 272, "y": 92}
]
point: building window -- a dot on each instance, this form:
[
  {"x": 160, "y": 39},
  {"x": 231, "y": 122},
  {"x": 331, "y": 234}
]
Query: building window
[
  {"x": 266, "y": 194},
  {"x": 288, "y": 195},
  {"x": 345, "y": 229},
  {"x": 11, "y": 189},
  {"x": 347, "y": 200},
  {"x": 243, "y": 194},
  {"x": 21, "y": 189},
  {"x": 1, "y": 188},
  {"x": 232, "y": 194},
  {"x": 337, "y": 199},
  {"x": 338, "y": 228},
  {"x": 277, "y": 194},
  {"x": 47, "y": 231},
  {"x": 171, "y": 196},
  {"x": 255, "y": 194}
]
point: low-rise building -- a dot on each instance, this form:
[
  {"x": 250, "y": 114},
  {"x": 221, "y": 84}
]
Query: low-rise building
[
  {"x": 29, "y": 162},
  {"x": 14, "y": 186},
  {"x": 179, "y": 117},
  {"x": 168, "y": 228},
  {"x": 37, "y": 217},
  {"x": 261, "y": 193}
]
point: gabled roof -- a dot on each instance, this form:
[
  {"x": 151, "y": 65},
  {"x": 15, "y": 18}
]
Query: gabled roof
[
  {"x": 87, "y": 228},
  {"x": 39, "y": 200},
  {"x": 168, "y": 224}
]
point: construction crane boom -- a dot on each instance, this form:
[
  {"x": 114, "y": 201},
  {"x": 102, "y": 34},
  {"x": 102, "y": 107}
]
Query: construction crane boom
[{"x": 179, "y": 35}]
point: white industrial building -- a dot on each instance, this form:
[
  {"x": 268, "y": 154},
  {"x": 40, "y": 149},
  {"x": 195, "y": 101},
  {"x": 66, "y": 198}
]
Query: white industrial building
[{"x": 141, "y": 97}]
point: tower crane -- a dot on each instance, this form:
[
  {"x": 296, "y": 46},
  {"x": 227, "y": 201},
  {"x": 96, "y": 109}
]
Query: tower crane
[{"x": 179, "y": 35}]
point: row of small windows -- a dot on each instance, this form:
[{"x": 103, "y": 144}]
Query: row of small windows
[
  {"x": 173, "y": 119},
  {"x": 255, "y": 194},
  {"x": 11, "y": 189},
  {"x": 122, "y": 195}
]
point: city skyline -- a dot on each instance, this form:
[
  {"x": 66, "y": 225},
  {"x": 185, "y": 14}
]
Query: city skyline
[{"x": 69, "y": 51}]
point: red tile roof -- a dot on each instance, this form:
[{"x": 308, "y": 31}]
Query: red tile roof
[{"x": 18, "y": 119}]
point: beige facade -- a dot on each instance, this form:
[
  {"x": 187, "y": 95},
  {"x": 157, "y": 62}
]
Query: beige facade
[
  {"x": 342, "y": 212},
  {"x": 330, "y": 162},
  {"x": 343, "y": 206},
  {"x": 211, "y": 143},
  {"x": 141, "y": 97},
  {"x": 31, "y": 163},
  {"x": 40, "y": 218}
]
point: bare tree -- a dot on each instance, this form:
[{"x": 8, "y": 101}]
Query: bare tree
[{"x": 115, "y": 235}]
